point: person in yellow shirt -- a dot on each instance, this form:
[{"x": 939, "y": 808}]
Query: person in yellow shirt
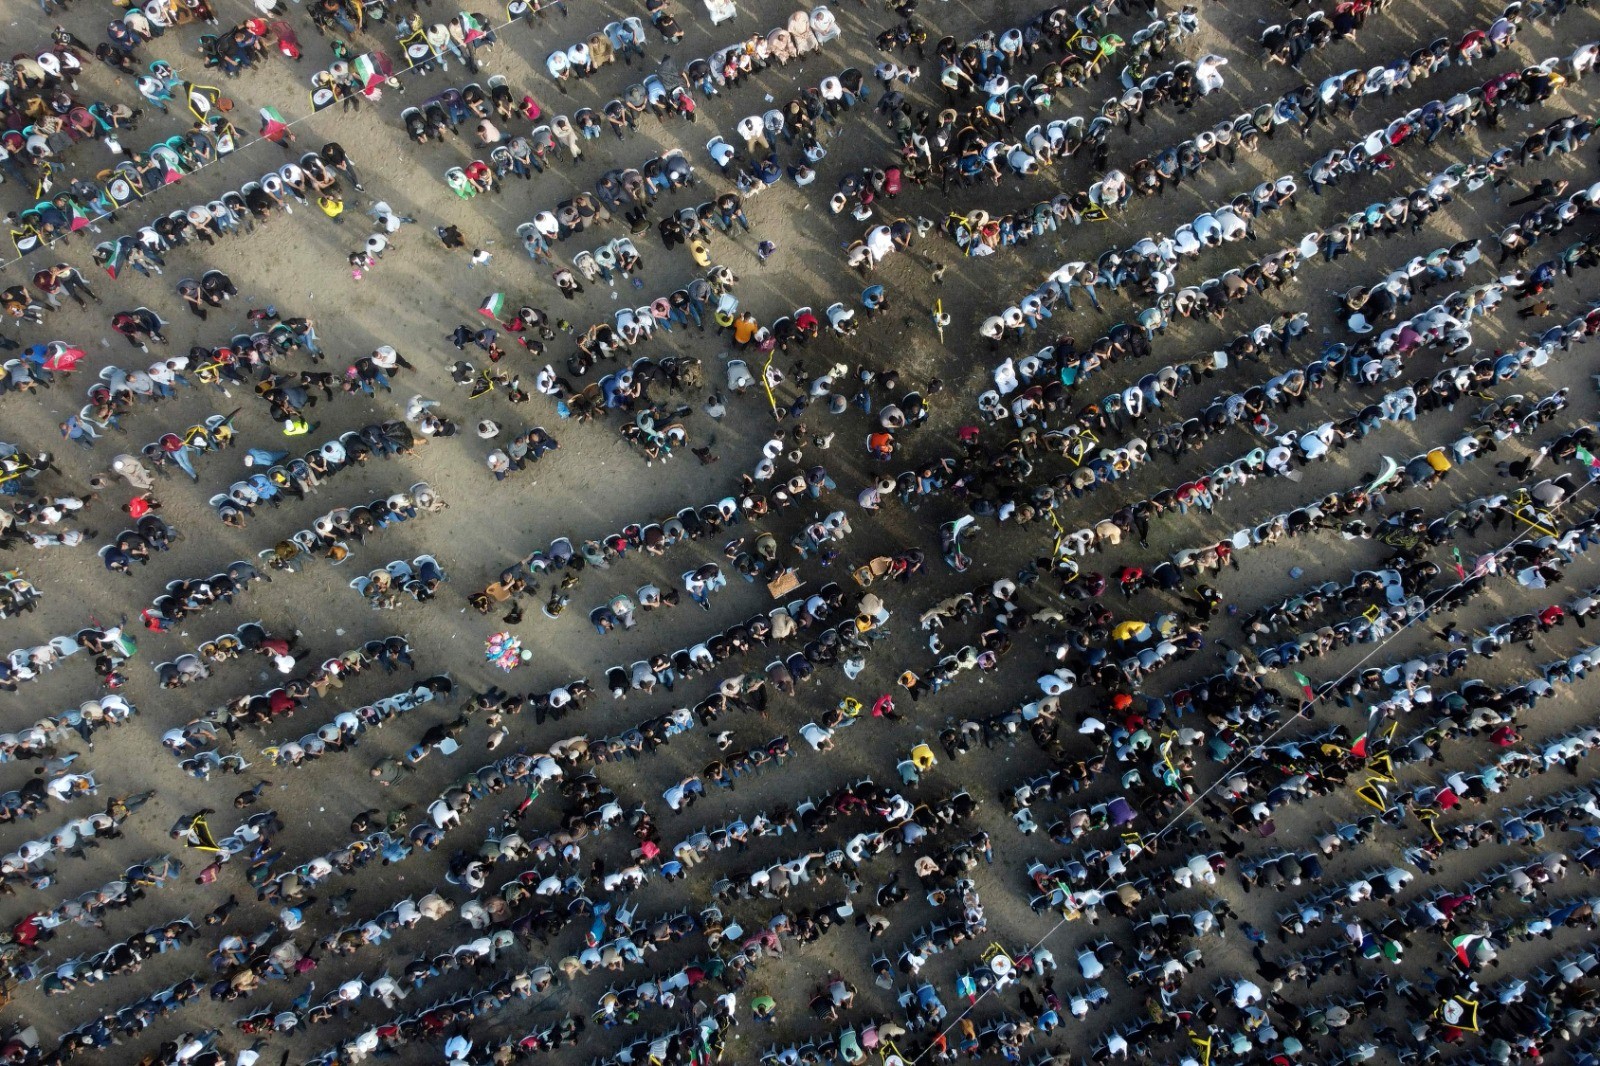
[{"x": 332, "y": 205}]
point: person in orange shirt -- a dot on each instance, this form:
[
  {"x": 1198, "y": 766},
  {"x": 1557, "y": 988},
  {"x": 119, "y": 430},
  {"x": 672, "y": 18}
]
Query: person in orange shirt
[{"x": 744, "y": 329}]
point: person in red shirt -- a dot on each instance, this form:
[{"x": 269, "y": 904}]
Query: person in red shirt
[
  {"x": 806, "y": 326},
  {"x": 274, "y": 646},
  {"x": 479, "y": 174},
  {"x": 1131, "y": 579},
  {"x": 28, "y": 931},
  {"x": 141, "y": 505}
]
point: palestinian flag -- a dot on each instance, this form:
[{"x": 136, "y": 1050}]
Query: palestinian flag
[
  {"x": 1587, "y": 457},
  {"x": 1358, "y": 746},
  {"x": 1455, "y": 553},
  {"x": 1462, "y": 946},
  {"x": 273, "y": 126},
  {"x": 492, "y": 306},
  {"x": 1306, "y": 691},
  {"x": 373, "y": 69},
  {"x": 472, "y": 28},
  {"x": 118, "y": 254}
]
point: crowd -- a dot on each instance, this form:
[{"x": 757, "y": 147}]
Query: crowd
[{"x": 1166, "y": 731}]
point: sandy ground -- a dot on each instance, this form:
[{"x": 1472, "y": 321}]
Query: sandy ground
[{"x": 595, "y": 484}]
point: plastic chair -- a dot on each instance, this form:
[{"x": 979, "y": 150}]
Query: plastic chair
[
  {"x": 824, "y": 27},
  {"x": 456, "y": 178}
]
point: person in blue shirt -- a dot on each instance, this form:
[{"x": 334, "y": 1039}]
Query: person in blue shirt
[
  {"x": 875, "y": 300},
  {"x": 264, "y": 457}
]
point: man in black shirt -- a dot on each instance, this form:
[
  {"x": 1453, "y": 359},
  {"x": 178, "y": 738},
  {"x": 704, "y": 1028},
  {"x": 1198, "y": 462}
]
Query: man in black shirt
[{"x": 333, "y": 155}]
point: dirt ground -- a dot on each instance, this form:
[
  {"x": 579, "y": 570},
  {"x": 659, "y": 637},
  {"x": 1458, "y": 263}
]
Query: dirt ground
[{"x": 595, "y": 484}]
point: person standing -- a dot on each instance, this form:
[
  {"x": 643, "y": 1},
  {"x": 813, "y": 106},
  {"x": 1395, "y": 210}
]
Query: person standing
[
  {"x": 80, "y": 432},
  {"x": 568, "y": 284},
  {"x": 73, "y": 282}
]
